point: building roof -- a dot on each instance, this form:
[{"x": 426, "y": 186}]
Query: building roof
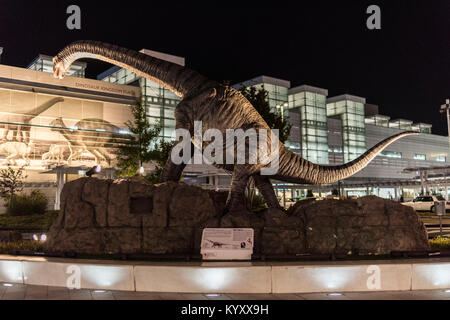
[
  {"x": 308, "y": 88},
  {"x": 346, "y": 97},
  {"x": 263, "y": 79}
]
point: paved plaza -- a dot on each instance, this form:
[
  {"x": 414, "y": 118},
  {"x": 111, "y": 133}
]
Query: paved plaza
[{"x": 28, "y": 292}]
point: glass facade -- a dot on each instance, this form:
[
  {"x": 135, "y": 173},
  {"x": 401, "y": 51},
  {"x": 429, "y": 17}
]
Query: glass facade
[
  {"x": 39, "y": 130},
  {"x": 422, "y": 127},
  {"x": 378, "y": 120},
  {"x": 422, "y": 157},
  {"x": 277, "y": 96},
  {"x": 353, "y": 125},
  {"x": 159, "y": 101},
  {"x": 401, "y": 124},
  {"x": 44, "y": 63},
  {"x": 313, "y": 124},
  {"x": 391, "y": 154}
]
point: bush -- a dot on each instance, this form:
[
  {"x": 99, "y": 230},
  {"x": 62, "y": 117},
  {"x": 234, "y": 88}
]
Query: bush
[
  {"x": 36, "y": 221},
  {"x": 23, "y": 205},
  {"x": 24, "y": 245},
  {"x": 440, "y": 243}
]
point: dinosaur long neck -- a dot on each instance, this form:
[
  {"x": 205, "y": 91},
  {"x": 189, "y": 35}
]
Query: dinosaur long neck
[
  {"x": 44, "y": 107},
  {"x": 174, "y": 77},
  {"x": 298, "y": 170}
]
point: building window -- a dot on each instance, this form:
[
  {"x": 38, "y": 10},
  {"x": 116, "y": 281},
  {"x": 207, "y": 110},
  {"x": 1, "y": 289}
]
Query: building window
[
  {"x": 441, "y": 159},
  {"x": 420, "y": 157},
  {"x": 335, "y": 149},
  {"x": 391, "y": 154}
]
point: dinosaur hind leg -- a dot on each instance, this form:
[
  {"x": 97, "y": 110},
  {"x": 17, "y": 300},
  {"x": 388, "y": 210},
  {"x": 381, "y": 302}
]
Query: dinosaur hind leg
[
  {"x": 236, "y": 196},
  {"x": 265, "y": 187}
]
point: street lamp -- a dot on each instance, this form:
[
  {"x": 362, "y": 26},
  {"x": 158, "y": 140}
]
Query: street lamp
[
  {"x": 281, "y": 107},
  {"x": 445, "y": 108}
]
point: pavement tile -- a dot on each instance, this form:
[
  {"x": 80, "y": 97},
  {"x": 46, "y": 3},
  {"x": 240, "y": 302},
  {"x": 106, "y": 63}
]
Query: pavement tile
[
  {"x": 288, "y": 296},
  {"x": 107, "y": 295},
  {"x": 218, "y": 297}
]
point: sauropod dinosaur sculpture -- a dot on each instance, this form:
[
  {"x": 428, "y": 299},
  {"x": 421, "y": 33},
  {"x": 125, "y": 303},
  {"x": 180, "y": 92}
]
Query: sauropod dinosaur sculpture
[
  {"x": 92, "y": 135},
  {"x": 21, "y": 123},
  {"x": 218, "y": 107}
]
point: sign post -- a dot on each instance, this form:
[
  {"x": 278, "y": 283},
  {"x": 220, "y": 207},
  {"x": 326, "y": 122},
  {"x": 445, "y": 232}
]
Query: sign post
[{"x": 439, "y": 209}]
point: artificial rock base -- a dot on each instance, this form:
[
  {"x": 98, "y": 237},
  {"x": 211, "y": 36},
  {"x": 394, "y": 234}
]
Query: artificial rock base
[{"x": 133, "y": 216}]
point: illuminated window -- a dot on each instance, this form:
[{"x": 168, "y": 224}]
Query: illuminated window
[
  {"x": 441, "y": 159},
  {"x": 391, "y": 154},
  {"x": 420, "y": 157}
]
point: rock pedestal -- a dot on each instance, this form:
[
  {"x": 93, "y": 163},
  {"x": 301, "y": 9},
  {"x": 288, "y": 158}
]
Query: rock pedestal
[{"x": 133, "y": 216}]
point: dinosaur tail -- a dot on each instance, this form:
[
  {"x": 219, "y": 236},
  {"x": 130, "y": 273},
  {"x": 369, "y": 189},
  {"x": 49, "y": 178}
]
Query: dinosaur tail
[
  {"x": 294, "y": 168},
  {"x": 174, "y": 77}
]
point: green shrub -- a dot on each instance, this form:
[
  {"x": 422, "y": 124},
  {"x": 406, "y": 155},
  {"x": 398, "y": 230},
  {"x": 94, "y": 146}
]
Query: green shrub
[
  {"x": 36, "y": 221},
  {"x": 23, "y": 205},
  {"x": 440, "y": 243},
  {"x": 24, "y": 245}
]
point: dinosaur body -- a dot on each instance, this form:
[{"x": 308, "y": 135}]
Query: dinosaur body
[
  {"x": 218, "y": 107},
  {"x": 89, "y": 135}
]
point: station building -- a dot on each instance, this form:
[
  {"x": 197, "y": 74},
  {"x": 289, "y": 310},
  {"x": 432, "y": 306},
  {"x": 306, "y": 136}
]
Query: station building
[{"x": 58, "y": 129}]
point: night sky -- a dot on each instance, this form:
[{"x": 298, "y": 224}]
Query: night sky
[{"x": 404, "y": 68}]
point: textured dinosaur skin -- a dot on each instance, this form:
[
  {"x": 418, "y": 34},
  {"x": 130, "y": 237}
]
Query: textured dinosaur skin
[{"x": 218, "y": 107}]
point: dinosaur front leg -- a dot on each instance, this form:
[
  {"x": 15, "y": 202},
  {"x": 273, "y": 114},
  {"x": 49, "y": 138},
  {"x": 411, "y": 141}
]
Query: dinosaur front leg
[
  {"x": 266, "y": 188},
  {"x": 171, "y": 171},
  {"x": 236, "y": 196}
]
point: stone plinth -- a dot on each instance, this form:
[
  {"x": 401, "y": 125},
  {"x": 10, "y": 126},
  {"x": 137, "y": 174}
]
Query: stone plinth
[{"x": 133, "y": 216}]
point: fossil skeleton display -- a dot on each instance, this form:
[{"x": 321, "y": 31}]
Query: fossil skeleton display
[{"x": 218, "y": 107}]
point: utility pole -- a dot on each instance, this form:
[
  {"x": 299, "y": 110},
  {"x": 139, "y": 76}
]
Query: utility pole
[{"x": 445, "y": 108}]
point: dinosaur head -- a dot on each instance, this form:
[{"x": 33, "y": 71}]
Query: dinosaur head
[
  {"x": 57, "y": 124},
  {"x": 59, "y": 69}
]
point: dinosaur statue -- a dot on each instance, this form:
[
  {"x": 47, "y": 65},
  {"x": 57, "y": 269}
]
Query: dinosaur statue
[
  {"x": 56, "y": 153},
  {"x": 16, "y": 151},
  {"x": 92, "y": 135},
  {"x": 21, "y": 123},
  {"x": 218, "y": 107}
]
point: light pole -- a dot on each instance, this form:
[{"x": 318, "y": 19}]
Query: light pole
[{"x": 445, "y": 108}]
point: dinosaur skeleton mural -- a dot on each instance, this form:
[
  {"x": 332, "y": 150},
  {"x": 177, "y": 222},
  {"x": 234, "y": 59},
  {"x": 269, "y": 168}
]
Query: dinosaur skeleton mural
[
  {"x": 15, "y": 137},
  {"x": 16, "y": 127},
  {"x": 95, "y": 136},
  {"x": 218, "y": 107}
]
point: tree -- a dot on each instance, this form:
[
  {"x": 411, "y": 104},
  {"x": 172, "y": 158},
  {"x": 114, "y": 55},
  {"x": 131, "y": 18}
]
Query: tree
[
  {"x": 137, "y": 150},
  {"x": 11, "y": 182},
  {"x": 161, "y": 154},
  {"x": 259, "y": 99}
]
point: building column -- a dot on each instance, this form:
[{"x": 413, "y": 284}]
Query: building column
[
  {"x": 421, "y": 183},
  {"x": 59, "y": 186}
]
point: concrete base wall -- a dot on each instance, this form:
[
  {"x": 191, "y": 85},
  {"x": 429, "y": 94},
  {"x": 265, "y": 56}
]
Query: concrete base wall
[{"x": 229, "y": 277}]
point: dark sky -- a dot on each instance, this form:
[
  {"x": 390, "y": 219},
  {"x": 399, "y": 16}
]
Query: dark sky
[{"x": 404, "y": 68}]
